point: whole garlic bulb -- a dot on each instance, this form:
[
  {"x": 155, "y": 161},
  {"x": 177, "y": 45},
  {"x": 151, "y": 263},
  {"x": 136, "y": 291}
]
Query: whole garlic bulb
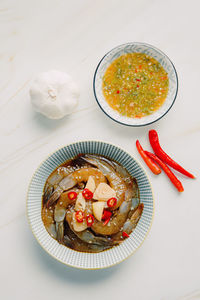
[{"x": 54, "y": 94}]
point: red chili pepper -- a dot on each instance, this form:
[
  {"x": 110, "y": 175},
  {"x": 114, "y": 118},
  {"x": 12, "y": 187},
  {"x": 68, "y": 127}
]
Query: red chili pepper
[
  {"x": 150, "y": 163},
  {"x": 138, "y": 79},
  {"x": 137, "y": 85},
  {"x": 154, "y": 141},
  {"x": 72, "y": 195},
  {"x": 79, "y": 215},
  {"x": 112, "y": 202},
  {"x": 167, "y": 171},
  {"x": 106, "y": 222},
  {"x": 89, "y": 220},
  {"x": 106, "y": 215},
  {"x": 124, "y": 234},
  {"x": 87, "y": 194},
  {"x": 118, "y": 92}
]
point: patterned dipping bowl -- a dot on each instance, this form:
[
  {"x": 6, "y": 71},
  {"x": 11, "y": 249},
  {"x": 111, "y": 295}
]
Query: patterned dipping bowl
[
  {"x": 134, "y": 48},
  {"x": 71, "y": 257}
]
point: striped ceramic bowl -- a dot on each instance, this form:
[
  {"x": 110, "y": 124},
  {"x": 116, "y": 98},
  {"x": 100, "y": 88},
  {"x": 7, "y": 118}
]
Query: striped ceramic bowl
[
  {"x": 79, "y": 259},
  {"x": 135, "y": 47}
]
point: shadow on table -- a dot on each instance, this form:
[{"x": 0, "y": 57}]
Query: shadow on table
[
  {"x": 49, "y": 124},
  {"x": 68, "y": 273},
  {"x": 130, "y": 132}
]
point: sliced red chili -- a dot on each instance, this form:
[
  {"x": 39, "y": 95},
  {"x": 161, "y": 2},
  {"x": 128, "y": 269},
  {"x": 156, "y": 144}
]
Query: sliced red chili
[
  {"x": 87, "y": 194},
  {"x": 138, "y": 79},
  {"x": 106, "y": 222},
  {"x": 112, "y": 202},
  {"x": 118, "y": 92},
  {"x": 124, "y": 234},
  {"x": 106, "y": 215},
  {"x": 72, "y": 195},
  {"x": 79, "y": 215},
  {"x": 89, "y": 220}
]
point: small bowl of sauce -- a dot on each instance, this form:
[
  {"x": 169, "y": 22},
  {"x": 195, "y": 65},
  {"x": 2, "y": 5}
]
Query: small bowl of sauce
[{"x": 135, "y": 84}]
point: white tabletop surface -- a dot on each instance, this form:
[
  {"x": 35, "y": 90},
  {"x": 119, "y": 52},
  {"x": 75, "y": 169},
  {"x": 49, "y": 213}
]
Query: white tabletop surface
[{"x": 73, "y": 36}]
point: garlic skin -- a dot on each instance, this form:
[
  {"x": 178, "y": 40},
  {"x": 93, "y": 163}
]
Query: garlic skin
[{"x": 54, "y": 94}]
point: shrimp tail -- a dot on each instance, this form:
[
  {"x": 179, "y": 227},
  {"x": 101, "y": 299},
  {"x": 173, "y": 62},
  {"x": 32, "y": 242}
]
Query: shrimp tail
[
  {"x": 90, "y": 159},
  {"x": 60, "y": 231},
  {"x": 54, "y": 197},
  {"x": 52, "y": 230},
  {"x": 65, "y": 184},
  {"x": 103, "y": 166},
  {"x": 129, "y": 225},
  {"x": 47, "y": 193},
  {"x": 137, "y": 214},
  {"x": 132, "y": 223}
]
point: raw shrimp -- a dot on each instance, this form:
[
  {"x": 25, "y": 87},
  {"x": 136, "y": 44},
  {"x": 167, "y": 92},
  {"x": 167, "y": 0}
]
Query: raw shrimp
[
  {"x": 54, "y": 179},
  {"x": 98, "y": 248},
  {"x": 130, "y": 224},
  {"x": 73, "y": 242},
  {"x": 114, "y": 179},
  {"x": 87, "y": 236},
  {"x": 118, "y": 168},
  {"x": 48, "y": 220},
  {"x": 60, "y": 211},
  {"x": 118, "y": 219},
  {"x": 73, "y": 179}
]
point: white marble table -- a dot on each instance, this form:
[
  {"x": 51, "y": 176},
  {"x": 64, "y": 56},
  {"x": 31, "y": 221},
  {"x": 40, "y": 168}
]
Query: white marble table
[{"x": 73, "y": 36}]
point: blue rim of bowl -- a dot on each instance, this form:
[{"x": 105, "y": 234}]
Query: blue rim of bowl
[{"x": 94, "y": 79}]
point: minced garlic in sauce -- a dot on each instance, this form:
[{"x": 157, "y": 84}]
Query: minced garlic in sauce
[{"x": 135, "y": 85}]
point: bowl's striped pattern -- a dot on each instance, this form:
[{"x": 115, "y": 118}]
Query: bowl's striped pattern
[
  {"x": 131, "y": 48},
  {"x": 89, "y": 260}
]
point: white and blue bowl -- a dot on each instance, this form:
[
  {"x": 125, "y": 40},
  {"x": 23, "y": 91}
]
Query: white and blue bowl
[
  {"x": 135, "y": 48},
  {"x": 71, "y": 257}
]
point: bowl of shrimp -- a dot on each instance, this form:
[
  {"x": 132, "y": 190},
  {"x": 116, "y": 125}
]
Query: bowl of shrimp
[{"x": 90, "y": 205}]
